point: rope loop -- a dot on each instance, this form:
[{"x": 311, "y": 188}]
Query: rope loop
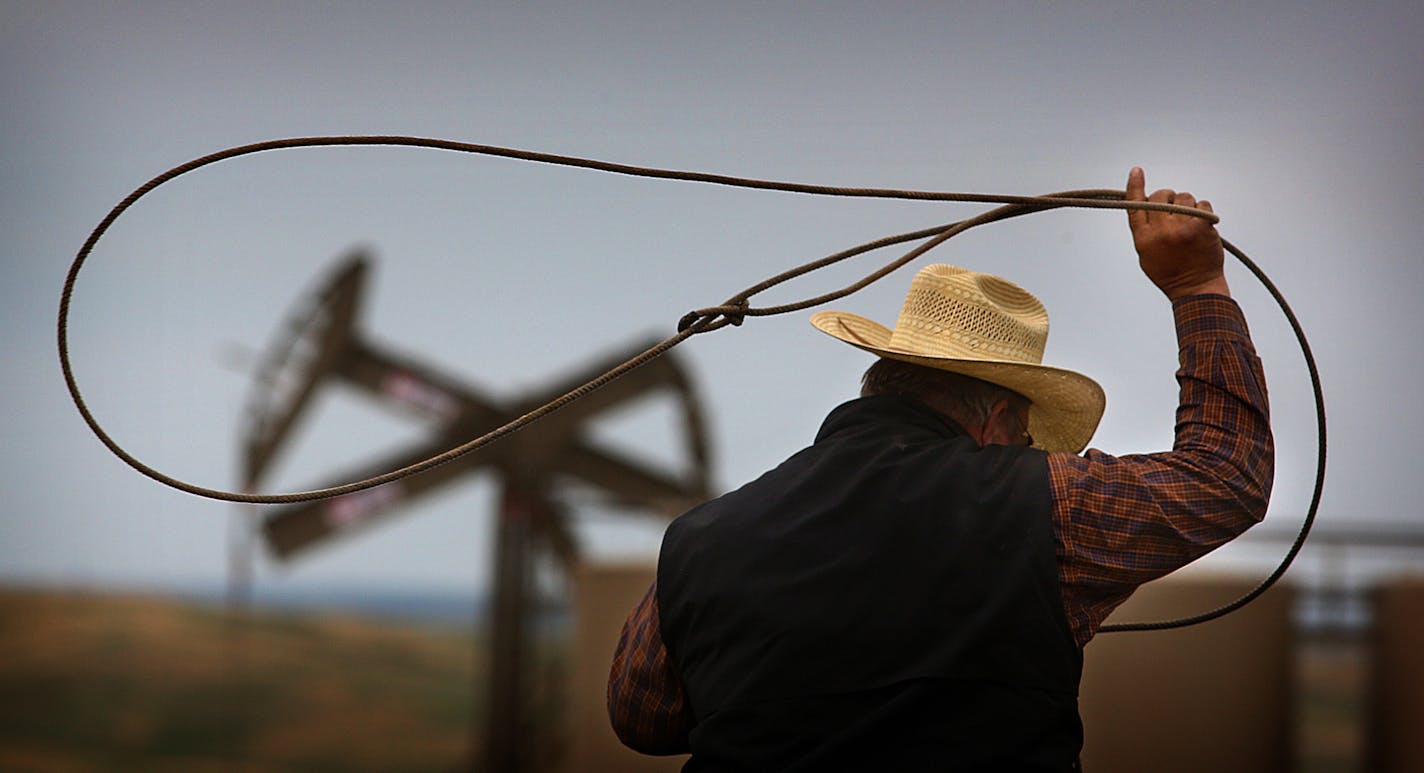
[{"x": 733, "y": 312}]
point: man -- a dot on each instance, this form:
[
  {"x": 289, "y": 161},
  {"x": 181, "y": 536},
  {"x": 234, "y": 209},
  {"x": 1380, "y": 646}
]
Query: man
[{"x": 913, "y": 591}]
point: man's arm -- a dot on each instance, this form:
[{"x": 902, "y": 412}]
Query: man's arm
[
  {"x": 1122, "y": 521},
  {"x": 646, "y": 703}
]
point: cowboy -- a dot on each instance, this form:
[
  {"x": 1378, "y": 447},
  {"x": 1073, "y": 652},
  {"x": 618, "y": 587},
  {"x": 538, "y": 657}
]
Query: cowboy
[{"x": 913, "y": 591}]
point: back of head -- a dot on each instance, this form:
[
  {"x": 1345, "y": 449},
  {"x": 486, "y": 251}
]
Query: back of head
[{"x": 965, "y": 399}]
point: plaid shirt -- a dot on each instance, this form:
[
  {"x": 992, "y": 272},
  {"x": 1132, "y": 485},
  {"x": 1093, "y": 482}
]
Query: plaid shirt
[{"x": 1119, "y": 521}]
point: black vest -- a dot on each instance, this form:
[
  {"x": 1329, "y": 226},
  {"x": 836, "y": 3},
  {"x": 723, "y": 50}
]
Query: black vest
[{"x": 886, "y": 599}]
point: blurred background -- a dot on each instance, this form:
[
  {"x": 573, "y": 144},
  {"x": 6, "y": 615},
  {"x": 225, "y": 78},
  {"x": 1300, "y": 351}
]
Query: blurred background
[{"x": 145, "y": 628}]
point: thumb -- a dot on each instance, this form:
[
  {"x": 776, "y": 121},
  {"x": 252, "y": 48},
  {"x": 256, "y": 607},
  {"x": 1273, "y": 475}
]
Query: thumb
[{"x": 1136, "y": 191}]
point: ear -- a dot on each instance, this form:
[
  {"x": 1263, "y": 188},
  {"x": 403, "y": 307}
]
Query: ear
[
  {"x": 997, "y": 411},
  {"x": 996, "y": 427}
]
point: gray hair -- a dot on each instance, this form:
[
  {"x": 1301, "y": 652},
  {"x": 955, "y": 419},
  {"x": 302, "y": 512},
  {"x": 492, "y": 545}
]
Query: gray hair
[{"x": 966, "y": 399}]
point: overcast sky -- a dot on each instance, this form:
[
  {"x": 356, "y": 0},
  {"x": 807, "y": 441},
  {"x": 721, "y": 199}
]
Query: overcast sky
[{"x": 1300, "y": 121}]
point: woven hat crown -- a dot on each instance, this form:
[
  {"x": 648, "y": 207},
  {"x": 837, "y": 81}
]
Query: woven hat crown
[
  {"x": 953, "y": 312},
  {"x": 988, "y": 328}
]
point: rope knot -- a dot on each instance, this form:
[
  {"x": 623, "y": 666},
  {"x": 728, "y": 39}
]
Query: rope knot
[{"x": 734, "y": 311}]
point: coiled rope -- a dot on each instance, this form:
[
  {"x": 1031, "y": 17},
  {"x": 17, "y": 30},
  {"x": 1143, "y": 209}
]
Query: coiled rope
[{"x": 733, "y": 311}]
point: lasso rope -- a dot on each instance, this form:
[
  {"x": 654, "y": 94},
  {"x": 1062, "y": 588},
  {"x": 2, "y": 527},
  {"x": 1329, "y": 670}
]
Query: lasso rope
[{"x": 733, "y": 311}]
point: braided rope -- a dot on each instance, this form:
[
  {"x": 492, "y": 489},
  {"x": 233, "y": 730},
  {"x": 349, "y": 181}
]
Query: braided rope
[{"x": 733, "y": 311}]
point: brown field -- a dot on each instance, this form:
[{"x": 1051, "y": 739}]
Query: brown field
[
  {"x": 127, "y": 682},
  {"x": 137, "y": 683}
]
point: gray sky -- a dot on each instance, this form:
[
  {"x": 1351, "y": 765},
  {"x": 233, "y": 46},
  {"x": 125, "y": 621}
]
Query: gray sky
[{"x": 1300, "y": 121}]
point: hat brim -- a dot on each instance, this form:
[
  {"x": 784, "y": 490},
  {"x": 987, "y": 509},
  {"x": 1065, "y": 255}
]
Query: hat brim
[{"x": 1067, "y": 406}]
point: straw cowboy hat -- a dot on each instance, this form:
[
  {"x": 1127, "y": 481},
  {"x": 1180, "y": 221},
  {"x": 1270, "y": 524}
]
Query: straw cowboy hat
[{"x": 988, "y": 328}]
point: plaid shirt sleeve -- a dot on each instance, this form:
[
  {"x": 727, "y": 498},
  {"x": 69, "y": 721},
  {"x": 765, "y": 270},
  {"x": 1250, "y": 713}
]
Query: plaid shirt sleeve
[
  {"x": 646, "y": 703},
  {"x": 1121, "y": 521}
]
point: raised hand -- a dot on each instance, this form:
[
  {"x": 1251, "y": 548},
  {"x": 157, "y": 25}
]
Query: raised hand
[{"x": 1181, "y": 254}]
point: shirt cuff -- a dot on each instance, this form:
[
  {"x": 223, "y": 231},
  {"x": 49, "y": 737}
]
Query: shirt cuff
[{"x": 1205, "y": 318}]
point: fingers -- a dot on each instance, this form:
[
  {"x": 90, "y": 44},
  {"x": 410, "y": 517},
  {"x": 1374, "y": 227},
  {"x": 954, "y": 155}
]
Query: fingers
[
  {"x": 1136, "y": 191},
  {"x": 1163, "y": 196}
]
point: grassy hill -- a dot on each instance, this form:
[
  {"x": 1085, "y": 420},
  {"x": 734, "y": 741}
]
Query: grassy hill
[{"x": 146, "y": 683}]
